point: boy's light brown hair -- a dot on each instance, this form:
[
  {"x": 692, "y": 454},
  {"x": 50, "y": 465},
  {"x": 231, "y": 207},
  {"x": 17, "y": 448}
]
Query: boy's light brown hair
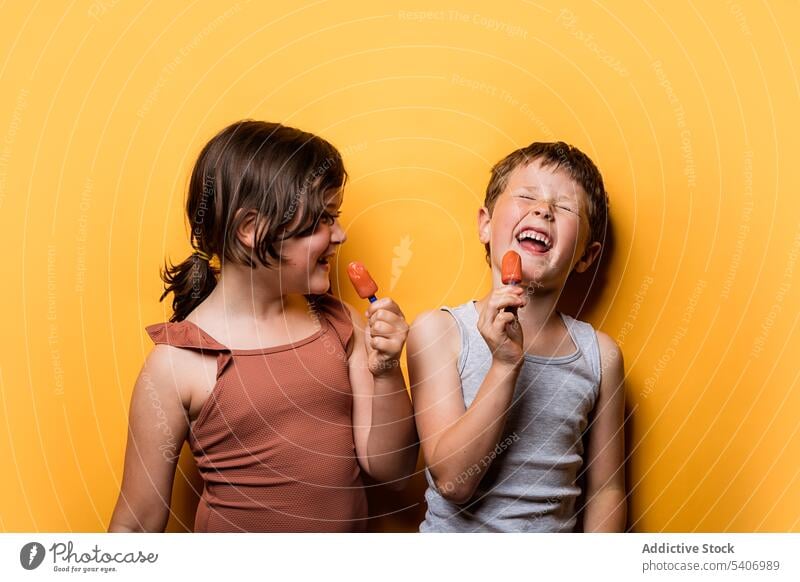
[{"x": 556, "y": 155}]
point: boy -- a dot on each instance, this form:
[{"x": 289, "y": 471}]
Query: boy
[{"x": 504, "y": 401}]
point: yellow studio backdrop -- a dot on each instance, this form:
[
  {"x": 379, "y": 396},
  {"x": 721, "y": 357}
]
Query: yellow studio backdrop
[{"x": 688, "y": 108}]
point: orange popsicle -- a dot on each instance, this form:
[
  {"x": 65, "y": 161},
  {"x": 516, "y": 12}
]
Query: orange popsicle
[
  {"x": 364, "y": 284},
  {"x": 511, "y": 271}
]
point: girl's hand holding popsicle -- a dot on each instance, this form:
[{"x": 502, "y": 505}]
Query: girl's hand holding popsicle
[{"x": 386, "y": 329}]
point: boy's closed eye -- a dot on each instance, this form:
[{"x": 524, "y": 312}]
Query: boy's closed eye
[
  {"x": 568, "y": 207},
  {"x": 565, "y": 205}
]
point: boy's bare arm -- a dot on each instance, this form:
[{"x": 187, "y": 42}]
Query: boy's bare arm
[
  {"x": 606, "y": 500},
  {"x": 455, "y": 440}
]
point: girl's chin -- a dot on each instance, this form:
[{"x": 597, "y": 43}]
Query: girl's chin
[{"x": 319, "y": 281}]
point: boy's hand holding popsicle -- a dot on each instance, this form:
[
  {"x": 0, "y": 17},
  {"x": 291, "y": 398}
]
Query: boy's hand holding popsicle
[
  {"x": 386, "y": 329},
  {"x": 498, "y": 323}
]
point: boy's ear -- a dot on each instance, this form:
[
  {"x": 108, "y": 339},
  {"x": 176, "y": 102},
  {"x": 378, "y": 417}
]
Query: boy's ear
[
  {"x": 484, "y": 225},
  {"x": 589, "y": 256}
]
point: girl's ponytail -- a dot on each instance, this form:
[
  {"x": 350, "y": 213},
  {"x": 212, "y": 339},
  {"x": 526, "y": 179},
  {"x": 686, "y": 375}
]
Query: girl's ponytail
[{"x": 190, "y": 282}]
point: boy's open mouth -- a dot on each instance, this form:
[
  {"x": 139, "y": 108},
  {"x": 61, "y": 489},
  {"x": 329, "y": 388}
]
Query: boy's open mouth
[{"x": 534, "y": 241}]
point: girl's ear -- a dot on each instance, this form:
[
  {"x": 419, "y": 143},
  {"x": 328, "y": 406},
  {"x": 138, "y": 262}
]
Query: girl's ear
[
  {"x": 589, "y": 256},
  {"x": 247, "y": 227},
  {"x": 484, "y": 225}
]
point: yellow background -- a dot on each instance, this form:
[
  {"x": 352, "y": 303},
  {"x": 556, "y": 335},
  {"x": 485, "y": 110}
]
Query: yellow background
[{"x": 689, "y": 109}]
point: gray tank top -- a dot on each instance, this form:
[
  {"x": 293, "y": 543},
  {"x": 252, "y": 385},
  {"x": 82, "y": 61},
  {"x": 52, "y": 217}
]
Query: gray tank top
[{"x": 531, "y": 479}]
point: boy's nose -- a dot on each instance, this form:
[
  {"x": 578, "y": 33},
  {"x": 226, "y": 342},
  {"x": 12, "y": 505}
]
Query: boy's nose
[{"x": 543, "y": 209}]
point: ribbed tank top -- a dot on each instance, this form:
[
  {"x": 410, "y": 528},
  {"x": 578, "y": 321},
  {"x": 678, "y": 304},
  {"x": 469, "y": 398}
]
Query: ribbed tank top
[
  {"x": 532, "y": 480},
  {"x": 274, "y": 441}
]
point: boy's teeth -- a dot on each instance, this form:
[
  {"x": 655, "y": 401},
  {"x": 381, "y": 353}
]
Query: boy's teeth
[{"x": 530, "y": 234}]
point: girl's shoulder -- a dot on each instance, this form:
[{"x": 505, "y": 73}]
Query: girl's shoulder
[
  {"x": 339, "y": 314},
  {"x": 183, "y": 362},
  {"x": 331, "y": 305},
  {"x": 172, "y": 374},
  {"x": 183, "y": 334}
]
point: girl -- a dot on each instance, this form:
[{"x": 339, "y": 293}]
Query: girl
[{"x": 284, "y": 400}]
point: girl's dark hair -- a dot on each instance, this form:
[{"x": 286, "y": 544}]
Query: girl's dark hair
[{"x": 281, "y": 173}]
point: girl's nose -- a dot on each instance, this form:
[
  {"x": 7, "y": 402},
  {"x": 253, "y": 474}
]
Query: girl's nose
[{"x": 338, "y": 235}]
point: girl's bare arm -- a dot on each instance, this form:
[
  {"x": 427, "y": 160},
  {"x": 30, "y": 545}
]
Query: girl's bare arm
[
  {"x": 383, "y": 419},
  {"x": 158, "y": 425}
]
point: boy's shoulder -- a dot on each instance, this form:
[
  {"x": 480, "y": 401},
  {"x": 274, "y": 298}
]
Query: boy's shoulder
[
  {"x": 446, "y": 318},
  {"x": 610, "y": 352},
  {"x": 434, "y": 321},
  {"x": 603, "y": 339},
  {"x": 606, "y": 342},
  {"x": 434, "y": 329},
  {"x": 575, "y": 321}
]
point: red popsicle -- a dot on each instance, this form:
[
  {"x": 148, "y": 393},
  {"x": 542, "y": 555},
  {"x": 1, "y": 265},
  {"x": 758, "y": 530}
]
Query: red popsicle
[
  {"x": 364, "y": 284},
  {"x": 511, "y": 273}
]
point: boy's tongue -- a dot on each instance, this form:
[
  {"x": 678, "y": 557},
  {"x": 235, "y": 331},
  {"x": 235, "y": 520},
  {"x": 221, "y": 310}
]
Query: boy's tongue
[{"x": 533, "y": 246}]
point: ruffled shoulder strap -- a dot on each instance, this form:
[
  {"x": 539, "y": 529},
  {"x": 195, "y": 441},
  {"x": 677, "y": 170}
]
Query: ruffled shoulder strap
[
  {"x": 183, "y": 334},
  {"x": 335, "y": 311}
]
